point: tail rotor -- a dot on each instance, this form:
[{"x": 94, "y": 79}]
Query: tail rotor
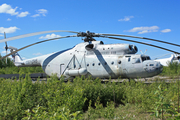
[{"x": 6, "y": 47}]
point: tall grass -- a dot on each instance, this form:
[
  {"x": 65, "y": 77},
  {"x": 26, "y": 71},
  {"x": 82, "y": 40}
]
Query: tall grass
[
  {"x": 85, "y": 98},
  {"x": 58, "y": 100},
  {"x": 20, "y": 70},
  {"x": 173, "y": 69}
]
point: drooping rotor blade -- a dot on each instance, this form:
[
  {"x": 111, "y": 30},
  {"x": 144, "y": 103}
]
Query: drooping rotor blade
[
  {"x": 35, "y": 44},
  {"x": 162, "y": 56},
  {"x": 143, "y": 44},
  {"x": 141, "y": 38},
  {"x": 33, "y": 34}
]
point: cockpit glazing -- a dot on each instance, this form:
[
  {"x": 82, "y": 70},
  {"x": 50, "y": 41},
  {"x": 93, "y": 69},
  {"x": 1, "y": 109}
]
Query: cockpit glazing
[{"x": 143, "y": 58}]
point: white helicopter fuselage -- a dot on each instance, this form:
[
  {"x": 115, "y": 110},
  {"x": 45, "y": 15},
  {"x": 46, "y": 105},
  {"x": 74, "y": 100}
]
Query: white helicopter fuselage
[
  {"x": 167, "y": 61},
  {"x": 97, "y": 60}
]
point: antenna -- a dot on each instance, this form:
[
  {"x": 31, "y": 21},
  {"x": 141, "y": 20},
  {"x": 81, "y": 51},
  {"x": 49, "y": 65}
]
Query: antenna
[{"x": 144, "y": 51}]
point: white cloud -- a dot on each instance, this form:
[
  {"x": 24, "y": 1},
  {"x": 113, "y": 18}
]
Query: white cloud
[
  {"x": 49, "y": 36},
  {"x": 37, "y": 54},
  {"x": 10, "y": 57},
  {"x": 126, "y": 18},
  {"x": 142, "y": 30},
  {"x": 23, "y": 14},
  {"x": 40, "y": 12},
  {"x": 4, "y": 8},
  {"x": 36, "y": 15},
  {"x": 166, "y": 30},
  {"x": 1, "y": 35},
  {"x": 4, "y": 52},
  {"x": 8, "y": 30},
  {"x": 8, "y": 19}
]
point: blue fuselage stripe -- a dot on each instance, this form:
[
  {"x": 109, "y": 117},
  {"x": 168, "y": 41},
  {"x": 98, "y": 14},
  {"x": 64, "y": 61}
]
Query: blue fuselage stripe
[{"x": 51, "y": 57}]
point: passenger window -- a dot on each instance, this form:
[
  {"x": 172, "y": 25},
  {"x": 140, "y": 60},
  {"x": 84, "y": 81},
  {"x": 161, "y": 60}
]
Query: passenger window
[
  {"x": 129, "y": 59},
  {"x": 119, "y": 62},
  {"x": 151, "y": 65}
]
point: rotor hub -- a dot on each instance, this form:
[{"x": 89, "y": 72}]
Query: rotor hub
[{"x": 88, "y": 36}]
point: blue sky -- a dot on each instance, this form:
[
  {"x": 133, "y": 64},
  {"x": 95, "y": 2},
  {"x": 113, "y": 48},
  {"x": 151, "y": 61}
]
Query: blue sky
[{"x": 158, "y": 19}]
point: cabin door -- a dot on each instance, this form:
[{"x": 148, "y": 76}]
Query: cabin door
[{"x": 126, "y": 65}]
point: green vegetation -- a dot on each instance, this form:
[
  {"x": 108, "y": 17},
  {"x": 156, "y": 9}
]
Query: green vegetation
[
  {"x": 9, "y": 68},
  {"x": 85, "y": 98},
  {"x": 173, "y": 69},
  {"x": 3, "y": 63},
  {"x": 20, "y": 70}
]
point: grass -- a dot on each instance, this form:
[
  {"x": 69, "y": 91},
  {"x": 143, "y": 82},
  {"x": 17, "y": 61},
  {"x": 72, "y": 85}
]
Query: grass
[
  {"x": 85, "y": 98},
  {"x": 126, "y": 112}
]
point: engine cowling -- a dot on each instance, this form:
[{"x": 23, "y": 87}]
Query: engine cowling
[
  {"x": 134, "y": 49},
  {"x": 89, "y": 47}
]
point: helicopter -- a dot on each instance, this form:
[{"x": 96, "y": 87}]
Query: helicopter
[
  {"x": 171, "y": 59},
  {"x": 93, "y": 58}
]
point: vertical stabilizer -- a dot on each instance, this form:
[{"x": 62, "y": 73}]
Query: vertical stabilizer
[
  {"x": 177, "y": 58},
  {"x": 16, "y": 57},
  {"x": 172, "y": 57}
]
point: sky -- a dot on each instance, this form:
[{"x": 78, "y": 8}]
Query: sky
[{"x": 157, "y": 19}]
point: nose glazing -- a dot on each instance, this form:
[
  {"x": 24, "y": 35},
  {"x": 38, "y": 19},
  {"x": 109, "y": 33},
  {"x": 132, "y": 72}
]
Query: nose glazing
[{"x": 159, "y": 67}]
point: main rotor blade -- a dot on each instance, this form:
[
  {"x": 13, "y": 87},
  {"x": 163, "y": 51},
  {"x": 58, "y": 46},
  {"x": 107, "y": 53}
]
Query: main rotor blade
[
  {"x": 35, "y": 44},
  {"x": 143, "y": 44},
  {"x": 33, "y": 34},
  {"x": 141, "y": 38}
]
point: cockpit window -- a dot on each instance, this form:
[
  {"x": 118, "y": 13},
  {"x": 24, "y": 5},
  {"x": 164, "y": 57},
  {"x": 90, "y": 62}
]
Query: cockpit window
[
  {"x": 145, "y": 58},
  {"x": 137, "y": 60}
]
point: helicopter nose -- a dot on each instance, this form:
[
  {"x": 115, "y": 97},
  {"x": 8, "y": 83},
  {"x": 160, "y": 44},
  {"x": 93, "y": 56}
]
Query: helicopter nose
[
  {"x": 159, "y": 67},
  {"x": 153, "y": 68}
]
